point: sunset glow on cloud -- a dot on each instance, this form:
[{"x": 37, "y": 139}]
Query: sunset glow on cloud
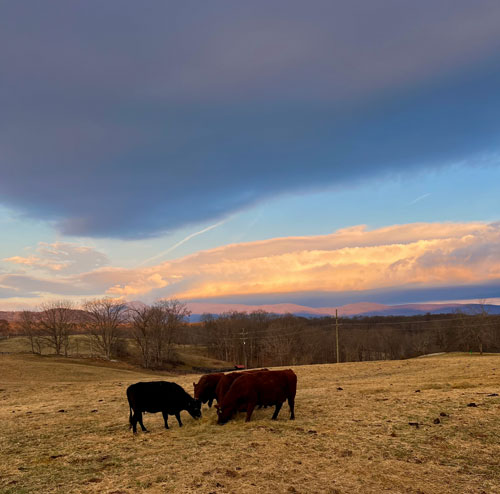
[
  {"x": 352, "y": 259},
  {"x": 349, "y": 260}
]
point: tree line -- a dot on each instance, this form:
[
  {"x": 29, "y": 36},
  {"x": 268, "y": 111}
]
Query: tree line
[
  {"x": 254, "y": 339},
  {"x": 262, "y": 339},
  {"x": 107, "y": 325}
]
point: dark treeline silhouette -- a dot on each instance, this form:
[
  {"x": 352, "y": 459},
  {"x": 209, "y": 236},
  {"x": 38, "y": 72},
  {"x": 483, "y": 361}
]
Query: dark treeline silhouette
[
  {"x": 148, "y": 334},
  {"x": 262, "y": 339}
]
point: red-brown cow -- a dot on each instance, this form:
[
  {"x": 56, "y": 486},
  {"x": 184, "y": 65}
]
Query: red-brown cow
[
  {"x": 260, "y": 388},
  {"x": 204, "y": 389},
  {"x": 228, "y": 379}
]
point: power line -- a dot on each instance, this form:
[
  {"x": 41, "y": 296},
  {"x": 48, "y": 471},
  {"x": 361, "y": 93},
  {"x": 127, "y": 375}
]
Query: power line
[
  {"x": 397, "y": 323},
  {"x": 279, "y": 332},
  {"x": 250, "y": 336},
  {"x": 354, "y": 323}
]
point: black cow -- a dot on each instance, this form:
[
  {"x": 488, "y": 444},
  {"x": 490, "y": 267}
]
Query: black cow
[{"x": 160, "y": 396}]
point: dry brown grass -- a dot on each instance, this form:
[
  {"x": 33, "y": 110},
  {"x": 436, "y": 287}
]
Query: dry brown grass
[
  {"x": 186, "y": 356},
  {"x": 343, "y": 441}
]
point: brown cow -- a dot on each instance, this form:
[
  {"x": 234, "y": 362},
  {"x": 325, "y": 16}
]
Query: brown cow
[
  {"x": 204, "y": 389},
  {"x": 260, "y": 388},
  {"x": 228, "y": 379}
]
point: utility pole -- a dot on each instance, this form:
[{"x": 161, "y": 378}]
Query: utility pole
[
  {"x": 244, "y": 338},
  {"x": 337, "y": 334}
]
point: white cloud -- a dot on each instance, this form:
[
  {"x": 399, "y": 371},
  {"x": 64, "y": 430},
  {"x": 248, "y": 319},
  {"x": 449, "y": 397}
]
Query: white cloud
[{"x": 63, "y": 257}]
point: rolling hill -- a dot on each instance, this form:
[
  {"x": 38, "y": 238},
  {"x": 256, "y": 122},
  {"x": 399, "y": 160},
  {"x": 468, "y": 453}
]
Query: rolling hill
[{"x": 350, "y": 310}]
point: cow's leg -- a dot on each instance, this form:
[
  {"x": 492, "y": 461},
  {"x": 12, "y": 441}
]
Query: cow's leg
[
  {"x": 133, "y": 423},
  {"x": 277, "y": 410},
  {"x": 165, "y": 419},
  {"x": 210, "y": 401},
  {"x": 178, "y": 417},
  {"x": 250, "y": 408},
  {"x": 139, "y": 419},
  {"x": 291, "y": 404}
]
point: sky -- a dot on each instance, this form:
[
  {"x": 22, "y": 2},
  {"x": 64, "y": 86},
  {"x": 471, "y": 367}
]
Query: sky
[{"x": 320, "y": 152}]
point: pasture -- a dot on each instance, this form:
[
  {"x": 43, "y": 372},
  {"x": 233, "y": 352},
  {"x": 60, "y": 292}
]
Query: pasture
[
  {"x": 186, "y": 356},
  {"x": 65, "y": 429}
]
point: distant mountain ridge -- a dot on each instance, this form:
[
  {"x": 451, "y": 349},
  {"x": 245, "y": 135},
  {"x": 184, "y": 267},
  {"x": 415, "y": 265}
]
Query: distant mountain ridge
[
  {"x": 350, "y": 310},
  {"x": 361, "y": 309}
]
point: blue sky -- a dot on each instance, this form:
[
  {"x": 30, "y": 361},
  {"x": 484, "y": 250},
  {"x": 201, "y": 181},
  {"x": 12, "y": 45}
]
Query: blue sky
[{"x": 133, "y": 137}]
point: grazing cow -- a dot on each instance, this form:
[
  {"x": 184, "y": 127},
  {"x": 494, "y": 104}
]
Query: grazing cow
[
  {"x": 260, "y": 388},
  {"x": 204, "y": 389},
  {"x": 228, "y": 379},
  {"x": 159, "y": 396}
]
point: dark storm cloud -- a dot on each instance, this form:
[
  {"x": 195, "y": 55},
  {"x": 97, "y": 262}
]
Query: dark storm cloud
[{"x": 123, "y": 119}]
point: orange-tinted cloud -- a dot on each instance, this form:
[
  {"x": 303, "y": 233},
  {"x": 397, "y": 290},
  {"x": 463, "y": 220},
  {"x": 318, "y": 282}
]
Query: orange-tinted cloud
[{"x": 351, "y": 259}]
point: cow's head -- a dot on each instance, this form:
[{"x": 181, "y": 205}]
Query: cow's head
[
  {"x": 197, "y": 389},
  {"x": 224, "y": 413},
  {"x": 200, "y": 393},
  {"x": 194, "y": 408}
]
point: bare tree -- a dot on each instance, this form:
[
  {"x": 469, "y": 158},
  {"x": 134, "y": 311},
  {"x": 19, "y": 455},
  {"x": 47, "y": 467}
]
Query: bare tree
[
  {"x": 55, "y": 323},
  {"x": 419, "y": 342},
  {"x": 220, "y": 334},
  {"x": 104, "y": 319},
  {"x": 169, "y": 317},
  {"x": 160, "y": 335},
  {"x": 155, "y": 328},
  {"x": 141, "y": 328},
  {"x": 4, "y": 328},
  {"x": 280, "y": 339},
  {"x": 29, "y": 326},
  {"x": 475, "y": 327}
]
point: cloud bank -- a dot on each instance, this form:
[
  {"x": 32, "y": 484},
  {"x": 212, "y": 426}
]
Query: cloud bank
[
  {"x": 63, "y": 257},
  {"x": 124, "y": 121},
  {"x": 444, "y": 258}
]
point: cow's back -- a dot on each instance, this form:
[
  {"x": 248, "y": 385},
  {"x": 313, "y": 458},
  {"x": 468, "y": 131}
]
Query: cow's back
[
  {"x": 262, "y": 387},
  {"x": 155, "y": 396},
  {"x": 275, "y": 386},
  {"x": 243, "y": 389},
  {"x": 227, "y": 380}
]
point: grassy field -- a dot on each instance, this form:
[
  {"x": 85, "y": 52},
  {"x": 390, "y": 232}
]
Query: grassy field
[
  {"x": 186, "y": 356},
  {"x": 65, "y": 429}
]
